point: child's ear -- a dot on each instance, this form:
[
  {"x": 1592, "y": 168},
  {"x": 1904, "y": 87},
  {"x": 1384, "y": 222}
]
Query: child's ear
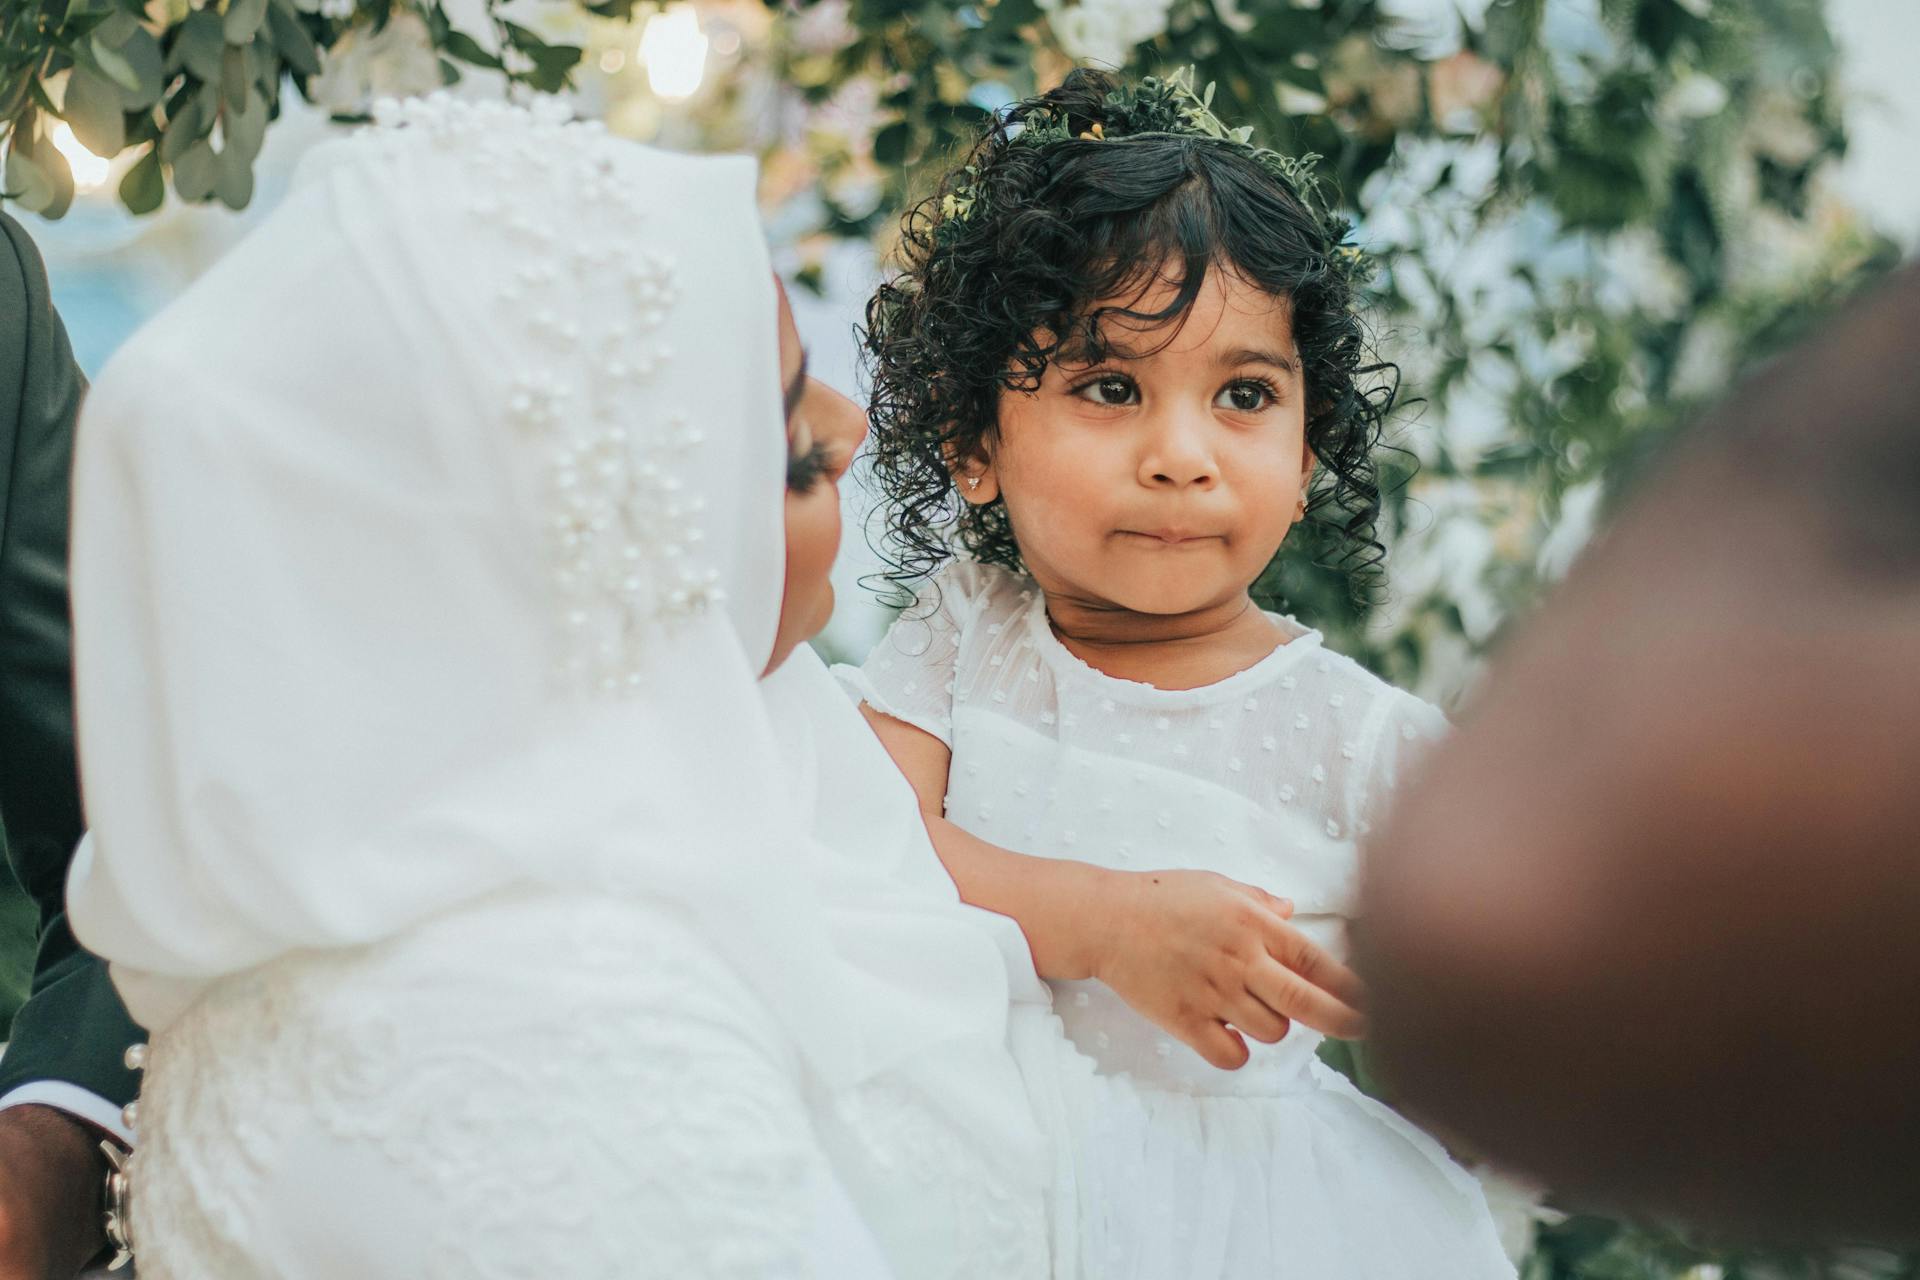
[
  {"x": 1308, "y": 461},
  {"x": 973, "y": 474}
]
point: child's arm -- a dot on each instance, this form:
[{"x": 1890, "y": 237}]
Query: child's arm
[{"x": 1190, "y": 950}]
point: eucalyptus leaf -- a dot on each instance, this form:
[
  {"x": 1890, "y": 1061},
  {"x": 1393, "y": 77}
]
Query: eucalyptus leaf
[
  {"x": 243, "y": 20},
  {"x": 233, "y": 76},
  {"x": 60, "y": 174},
  {"x": 117, "y": 27},
  {"x": 291, "y": 39},
  {"x": 553, "y": 64},
  {"x": 27, "y": 183},
  {"x": 264, "y": 67},
  {"x": 246, "y": 128},
  {"x": 93, "y": 109},
  {"x": 144, "y": 188},
  {"x": 233, "y": 178},
  {"x": 197, "y": 46},
  {"x": 467, "y": 49},
  {"x": 187, "y": 127},
  {"x": 142, "y": 53},
  {"x": 193, "y": 172},
  {"x": 114, "y": 65}
]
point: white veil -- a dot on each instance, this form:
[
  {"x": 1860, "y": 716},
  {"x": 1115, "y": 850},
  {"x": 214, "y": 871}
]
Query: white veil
[{"x": 430, "y": 547}]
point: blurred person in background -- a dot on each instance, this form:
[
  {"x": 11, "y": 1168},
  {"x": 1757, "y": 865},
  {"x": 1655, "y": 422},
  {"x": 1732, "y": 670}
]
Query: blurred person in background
[{"x": 1648, "y": 928}]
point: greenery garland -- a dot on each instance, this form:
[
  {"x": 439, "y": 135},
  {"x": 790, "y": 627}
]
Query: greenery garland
[{"x": 193, "y": 87}]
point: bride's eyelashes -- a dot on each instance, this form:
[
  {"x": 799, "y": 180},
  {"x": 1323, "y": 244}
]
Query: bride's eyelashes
[
  {"x": 1117, "y": 391},
  {"x": 809, "y": 467}
]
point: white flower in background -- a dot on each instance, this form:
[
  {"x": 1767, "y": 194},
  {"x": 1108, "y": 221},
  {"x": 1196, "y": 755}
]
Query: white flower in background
[
  {"x": 398, "y": 61},
  {"x": 1442, "y": 554},
  {"x": 1694, "y": 96},
  {"x": 1638, "y": 275},
  {"x": 1105, "y": 31},
  {"x": 1430, "y": 28},
  {"x": 821, "y": 28},
  {"x": 1563, "y": 543}
]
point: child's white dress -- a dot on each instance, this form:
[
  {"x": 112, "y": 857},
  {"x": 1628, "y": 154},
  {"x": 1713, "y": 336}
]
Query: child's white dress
[{"x": 1168, "y": 1168}]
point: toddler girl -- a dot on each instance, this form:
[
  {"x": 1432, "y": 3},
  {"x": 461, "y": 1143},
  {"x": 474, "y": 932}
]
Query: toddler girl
[{"x": 1126, "y": 339}]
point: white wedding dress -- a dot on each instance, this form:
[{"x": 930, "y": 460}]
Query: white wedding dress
[
  {"x": 1171, "y": 1168},
  {"x": 491, "y": 919}
]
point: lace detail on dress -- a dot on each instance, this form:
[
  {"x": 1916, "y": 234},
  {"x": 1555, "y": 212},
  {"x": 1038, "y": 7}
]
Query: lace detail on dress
[
  {"x": 655, "y": 1131},
  {"x": 544, "y": 1089}
]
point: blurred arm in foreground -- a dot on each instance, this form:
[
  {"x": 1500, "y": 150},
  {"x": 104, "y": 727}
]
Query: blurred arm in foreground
[{"x": 1648, "y": 929}]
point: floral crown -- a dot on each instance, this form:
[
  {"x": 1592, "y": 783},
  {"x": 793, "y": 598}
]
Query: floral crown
[{"x": 1170, "y": 108}]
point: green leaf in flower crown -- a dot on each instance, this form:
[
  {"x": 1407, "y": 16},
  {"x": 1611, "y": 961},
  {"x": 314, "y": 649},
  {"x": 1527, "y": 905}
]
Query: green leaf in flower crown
[
  {"x": 243, "y": 20},
  {"x": 143, "y": 188},
  {"x": 193, "y": 172},
  {"x": 92, "y": 108},
  {"x": 296, "y": 47}
]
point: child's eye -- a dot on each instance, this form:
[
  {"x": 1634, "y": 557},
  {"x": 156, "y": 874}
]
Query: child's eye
[
  {"x": 1108, "y": 389},
  {"x": 807, "y": 469},
  {"x": 1249, "y": 395}
]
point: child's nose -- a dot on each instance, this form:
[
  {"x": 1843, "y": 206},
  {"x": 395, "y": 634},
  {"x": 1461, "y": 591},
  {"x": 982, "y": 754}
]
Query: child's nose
[{"x": 1178, "y": 456}]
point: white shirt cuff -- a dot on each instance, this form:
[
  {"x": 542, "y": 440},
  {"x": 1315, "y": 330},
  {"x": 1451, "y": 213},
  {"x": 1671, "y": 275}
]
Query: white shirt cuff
[{"x": 73, "y": 1100}]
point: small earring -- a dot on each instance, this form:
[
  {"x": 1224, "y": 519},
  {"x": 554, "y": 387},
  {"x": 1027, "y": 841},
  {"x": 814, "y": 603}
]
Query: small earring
[{"x": 973, "y": 482}]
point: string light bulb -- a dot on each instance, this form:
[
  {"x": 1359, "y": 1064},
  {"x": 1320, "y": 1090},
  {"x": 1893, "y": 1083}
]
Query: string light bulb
[{"x": 674, "y": 50}]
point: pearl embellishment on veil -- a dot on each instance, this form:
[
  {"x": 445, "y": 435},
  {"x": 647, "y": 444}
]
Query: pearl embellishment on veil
[{"x": 622, "y": 534}]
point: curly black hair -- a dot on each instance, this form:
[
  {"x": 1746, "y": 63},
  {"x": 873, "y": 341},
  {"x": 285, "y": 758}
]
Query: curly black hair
[{"x": 1003, "y": 267}]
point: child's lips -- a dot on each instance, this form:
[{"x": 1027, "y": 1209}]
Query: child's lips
[{"x": 1172, "y": 537}]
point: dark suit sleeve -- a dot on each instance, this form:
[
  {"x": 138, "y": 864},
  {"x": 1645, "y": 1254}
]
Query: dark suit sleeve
[{"x": 73, "y": 1027}]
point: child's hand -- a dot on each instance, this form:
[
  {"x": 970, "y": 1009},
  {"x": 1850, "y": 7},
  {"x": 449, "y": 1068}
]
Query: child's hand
[{"x": 1194, "y": 952}]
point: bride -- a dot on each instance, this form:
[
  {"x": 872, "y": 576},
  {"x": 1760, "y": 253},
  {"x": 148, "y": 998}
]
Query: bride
[{"x": 491, "y": 915}]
